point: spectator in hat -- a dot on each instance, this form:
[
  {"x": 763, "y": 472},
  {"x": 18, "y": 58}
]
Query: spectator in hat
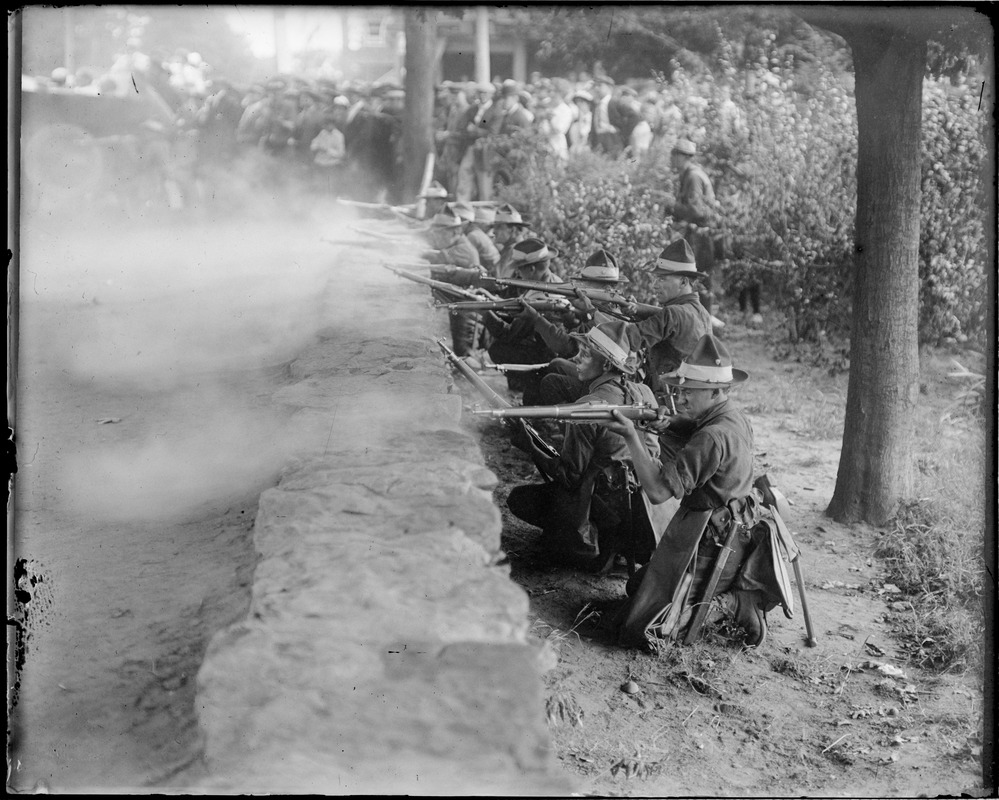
[
  {"x": 472, "y": 174},
  {"x": 504, "y": 118},
  {"x": 695, "y": 212},
  {"x": 585, "y": 509},
  {"x": 706, "y": 462},
  {"x": 582, "y": 124},
  {"x": 670, "y": 335},
  {"x": 604, "y": 135},
  {"x": 451, "y": 138}
]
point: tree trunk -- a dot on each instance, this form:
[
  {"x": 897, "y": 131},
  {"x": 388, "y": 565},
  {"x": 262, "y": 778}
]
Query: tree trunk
[
  {"x": 875, "y": 468},
  {"x": 417, "y": 120}
]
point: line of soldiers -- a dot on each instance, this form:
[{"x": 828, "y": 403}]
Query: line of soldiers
[{"x": 675, "y": 494}]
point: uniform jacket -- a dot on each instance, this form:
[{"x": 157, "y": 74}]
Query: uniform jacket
[
  {"x": 591, "y": 447},
  {"x": 709, "y": 463},
  {"x": 460, "y": 254},
  {"x": 489, "y": 256},
  {"x": 671, "y": 334}
]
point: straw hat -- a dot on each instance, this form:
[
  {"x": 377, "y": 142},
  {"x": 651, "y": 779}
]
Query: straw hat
[{"x": 709, "y": 366}]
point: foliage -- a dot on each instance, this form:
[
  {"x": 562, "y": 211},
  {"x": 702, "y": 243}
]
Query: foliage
[
  {"x": 952, "y": 249},
  {"x": 780, "y": 144}
]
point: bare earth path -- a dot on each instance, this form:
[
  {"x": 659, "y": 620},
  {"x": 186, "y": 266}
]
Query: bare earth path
[{"x": 848, "y": 718}]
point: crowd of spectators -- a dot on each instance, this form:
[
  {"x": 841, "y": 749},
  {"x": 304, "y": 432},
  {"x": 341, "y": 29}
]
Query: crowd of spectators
[{"x": 343, "y": 138}]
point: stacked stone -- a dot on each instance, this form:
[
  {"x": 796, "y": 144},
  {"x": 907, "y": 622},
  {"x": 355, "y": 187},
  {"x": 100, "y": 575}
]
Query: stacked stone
[{"x": 385, "y": 651}]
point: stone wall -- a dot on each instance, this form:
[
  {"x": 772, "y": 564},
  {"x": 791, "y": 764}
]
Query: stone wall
[{"x": 385, "y": 650}]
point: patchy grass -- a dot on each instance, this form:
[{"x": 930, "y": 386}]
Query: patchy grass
[{"x": 934, "y": 548}]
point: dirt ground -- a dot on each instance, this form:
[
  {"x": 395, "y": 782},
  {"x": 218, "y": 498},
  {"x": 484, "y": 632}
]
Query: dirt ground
[
  {"x": 847, "y": 718},
  {"x": 116, "y": 609}
]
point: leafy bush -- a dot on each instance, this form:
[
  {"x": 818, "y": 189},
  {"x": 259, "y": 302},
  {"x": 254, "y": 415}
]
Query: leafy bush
[
  {"x": 952, "y": 233},
  {"x": 781, "y": 150}
]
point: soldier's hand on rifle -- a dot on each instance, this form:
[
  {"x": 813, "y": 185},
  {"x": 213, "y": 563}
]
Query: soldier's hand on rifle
[
  {"x": 631, "y": 309},
  {"x": 664, "y": 417},
  {"x": 584, "y": 307},
  {"x": 528, "y": 311},
  {"x": 619, "y": 424}
]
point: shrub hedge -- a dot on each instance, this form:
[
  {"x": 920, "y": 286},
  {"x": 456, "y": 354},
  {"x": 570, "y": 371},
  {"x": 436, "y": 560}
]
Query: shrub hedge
[{"x": 782, "y": 156}]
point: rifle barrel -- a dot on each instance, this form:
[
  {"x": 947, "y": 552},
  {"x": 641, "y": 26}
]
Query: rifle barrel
[{"x": 579, "y": 412}]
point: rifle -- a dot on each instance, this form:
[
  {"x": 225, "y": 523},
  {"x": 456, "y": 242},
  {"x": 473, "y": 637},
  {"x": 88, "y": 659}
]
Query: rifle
[
  {"x": 514, "y": 304},
  {"x": 389, "y": 237},
  {"x": 576, "y": 412},
  {"x": 500, "y": 403},
  {"x": 448, "y": 288},
  {"x": 568, "y": 290}
]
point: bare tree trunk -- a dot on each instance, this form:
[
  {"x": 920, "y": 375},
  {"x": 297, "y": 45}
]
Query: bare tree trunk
[
  {"x": 418, "y": 117},
  {"x": 875, "y": 468}
]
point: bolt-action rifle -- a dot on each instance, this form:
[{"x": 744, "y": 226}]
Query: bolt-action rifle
[
  {"x": 597, "y": 296},
  {"x": 446, "y": 288},
  {"x": 574, "y": 412},
  {"x": 513, "y": 304},
  {"x": 500, "y": 403}
]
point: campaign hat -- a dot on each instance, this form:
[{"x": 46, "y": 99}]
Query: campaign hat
[
  {"x": 531, "y": 251},
  {"x": 613, "y": 341},
  {"x": 446, "y": 219},
  {"x": 677, "y": 259},
  {"x": 709, "y": 366},
  {"x": 506, "y": 214},
  {"x": 463, "y": 211},
  {"x": 601, "y": 267},
  {"x": 485, "y": 215}
]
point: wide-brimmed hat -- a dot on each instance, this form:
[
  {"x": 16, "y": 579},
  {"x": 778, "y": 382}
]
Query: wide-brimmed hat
[
  {"x": 677, "y": 259},
  {"x": 463, "y": 211},
  {"x": 433, "y": 190},
  {"x": 531, "y": 251},
  {"x": 601, "y": 267},
  {"x": 685, "y": 146},
  {"x": 709, "y": 366},
  {"x": 485, "y": 215},
  {"x": 446, "y": 219},
  {"x": 506, "y": 214},
  {"x": 613, "y": 341}
]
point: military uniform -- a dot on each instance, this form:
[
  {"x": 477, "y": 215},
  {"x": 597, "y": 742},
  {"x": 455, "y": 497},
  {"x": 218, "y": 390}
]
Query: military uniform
[
  {"x": 586, "y": 512},
  {"x": 707, "y": 465},
  {"x": 670, "y": 335}
]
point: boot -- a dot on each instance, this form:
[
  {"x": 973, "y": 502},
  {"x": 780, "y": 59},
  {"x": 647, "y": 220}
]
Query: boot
[{"x": 746, "y": 608}]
